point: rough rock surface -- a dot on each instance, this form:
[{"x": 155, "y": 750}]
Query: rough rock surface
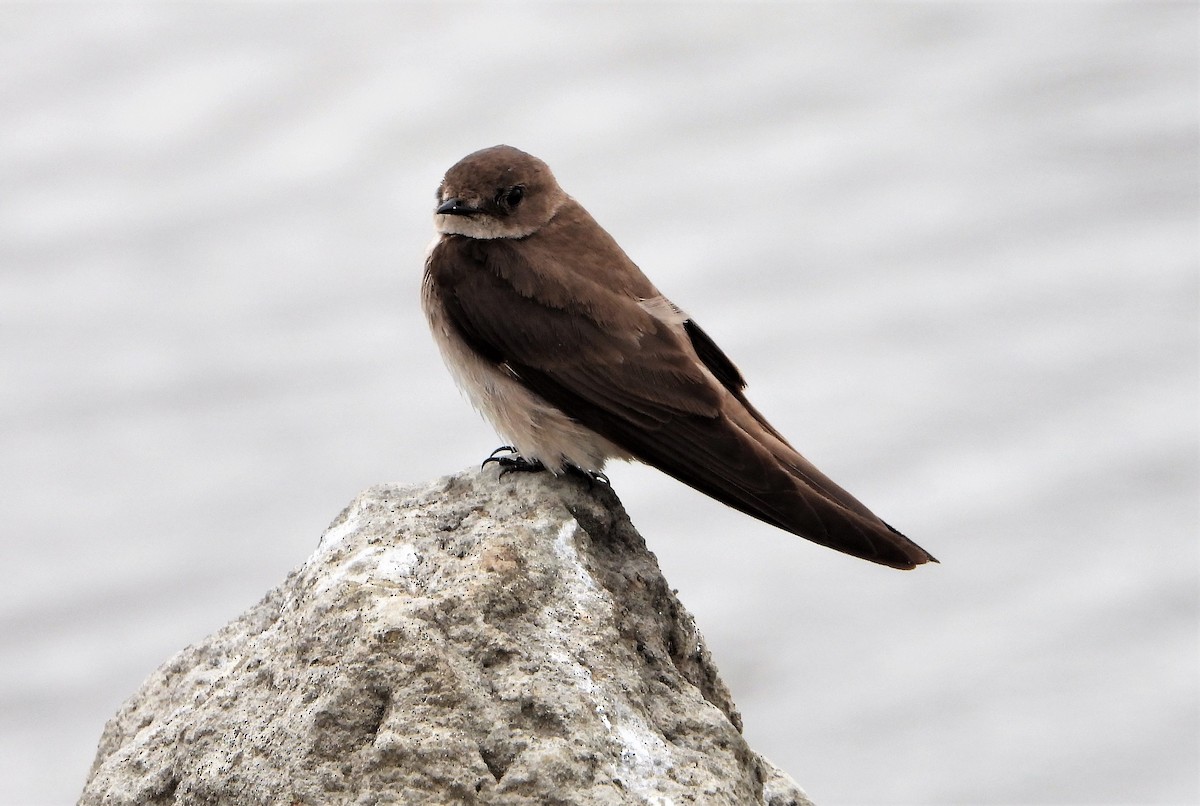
[{"x": 472, "y": 640}]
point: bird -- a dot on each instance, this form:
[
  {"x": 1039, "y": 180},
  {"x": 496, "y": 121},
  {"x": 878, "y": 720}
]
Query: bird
[{"x": 576, "y": 358}]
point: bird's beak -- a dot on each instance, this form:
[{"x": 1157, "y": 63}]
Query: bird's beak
[{"x": 456, "y": 207}]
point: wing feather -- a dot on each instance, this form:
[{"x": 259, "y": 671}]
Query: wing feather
[{"x": 633, "y": 379}]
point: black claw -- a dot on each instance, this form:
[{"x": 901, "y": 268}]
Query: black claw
[
  {"x": 590, "y": 476},
  {"x": 515, "y": 464},
  {"x": 492, "y": 457}
]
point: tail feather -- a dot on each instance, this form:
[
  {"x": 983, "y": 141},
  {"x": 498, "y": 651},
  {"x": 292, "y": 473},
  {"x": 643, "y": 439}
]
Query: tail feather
[{"x": 723, "y": 461}]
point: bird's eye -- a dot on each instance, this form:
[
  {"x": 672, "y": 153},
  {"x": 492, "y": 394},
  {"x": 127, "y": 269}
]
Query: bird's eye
[{"x": 512, "y": 197}]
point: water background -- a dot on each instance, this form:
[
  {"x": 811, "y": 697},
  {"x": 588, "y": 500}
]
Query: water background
[{"x": 953, "y": 247}]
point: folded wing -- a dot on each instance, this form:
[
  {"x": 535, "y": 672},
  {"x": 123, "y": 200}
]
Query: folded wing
[{"x": 665, "y": 394}]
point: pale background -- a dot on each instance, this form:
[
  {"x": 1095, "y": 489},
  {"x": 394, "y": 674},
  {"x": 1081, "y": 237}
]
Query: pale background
[{"x": 952, "y": 246}]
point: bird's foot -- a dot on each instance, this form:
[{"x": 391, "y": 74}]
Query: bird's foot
[
  {"x": 592, "y": 477},
  {"x": 513, "y": 463},
  {"x": 492, "y": 457}
]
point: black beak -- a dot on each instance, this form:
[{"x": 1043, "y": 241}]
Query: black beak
[{"x": 456, "y": 207}]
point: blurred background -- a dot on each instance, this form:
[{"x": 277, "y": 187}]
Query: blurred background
[{"x": 953, "y": 247}]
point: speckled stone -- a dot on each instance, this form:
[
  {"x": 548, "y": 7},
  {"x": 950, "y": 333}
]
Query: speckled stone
[{"x": 471, "y": 640}]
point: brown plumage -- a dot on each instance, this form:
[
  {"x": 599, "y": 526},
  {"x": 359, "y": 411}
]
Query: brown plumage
[{"x": 576, "y": 358}]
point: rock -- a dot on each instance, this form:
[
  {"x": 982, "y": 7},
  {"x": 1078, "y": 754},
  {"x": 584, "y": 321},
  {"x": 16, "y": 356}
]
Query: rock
[{"x": 472, "y": 640}]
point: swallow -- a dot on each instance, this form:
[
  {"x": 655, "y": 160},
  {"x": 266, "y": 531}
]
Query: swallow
[{"x": 575, "y": 358}]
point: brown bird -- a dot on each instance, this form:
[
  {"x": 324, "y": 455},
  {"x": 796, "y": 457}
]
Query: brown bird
[{"x": 576, "y": 358}]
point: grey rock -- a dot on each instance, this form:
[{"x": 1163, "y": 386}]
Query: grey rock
[{"x": 474, "y": 640}]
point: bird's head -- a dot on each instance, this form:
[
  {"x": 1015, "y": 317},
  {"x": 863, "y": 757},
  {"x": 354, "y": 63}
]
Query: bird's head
[{"x": 499, "y": 192}]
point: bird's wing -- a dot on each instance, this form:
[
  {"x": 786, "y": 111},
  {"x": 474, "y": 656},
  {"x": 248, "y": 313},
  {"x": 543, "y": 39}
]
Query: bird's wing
[
  {"x": 615, "y": 368},
  {"x": 726, "y": 372}
]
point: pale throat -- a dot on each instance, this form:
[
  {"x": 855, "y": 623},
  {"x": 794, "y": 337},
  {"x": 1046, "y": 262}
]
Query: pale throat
[
  {"x": 483, "y": 227},
  {"x": 486, "y": 227}
]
